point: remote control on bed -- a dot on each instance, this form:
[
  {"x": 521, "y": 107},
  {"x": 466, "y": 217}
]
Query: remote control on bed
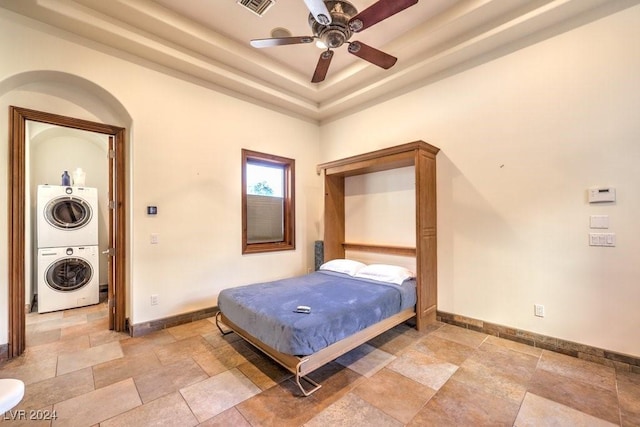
[{"x": 303, "y": 309}]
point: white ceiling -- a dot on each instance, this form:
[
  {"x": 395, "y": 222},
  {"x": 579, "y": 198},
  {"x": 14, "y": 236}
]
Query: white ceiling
[{"x": 207, "y": 41}]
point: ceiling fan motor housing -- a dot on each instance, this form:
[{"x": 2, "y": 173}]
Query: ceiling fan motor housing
[{"x": 337, "y": 32}]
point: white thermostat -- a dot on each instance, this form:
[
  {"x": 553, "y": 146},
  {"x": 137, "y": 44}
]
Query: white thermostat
[{"x": 602, "y": 194}]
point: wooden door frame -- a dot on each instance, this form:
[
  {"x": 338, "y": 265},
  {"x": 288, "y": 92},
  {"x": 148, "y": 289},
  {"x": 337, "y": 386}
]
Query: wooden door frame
[{"x": 16, "y": 216}]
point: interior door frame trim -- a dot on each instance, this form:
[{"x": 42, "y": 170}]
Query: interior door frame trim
[{"x": 16, "y": 217}]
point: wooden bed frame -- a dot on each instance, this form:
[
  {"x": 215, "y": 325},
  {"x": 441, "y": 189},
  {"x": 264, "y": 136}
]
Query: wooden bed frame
[
  {"x": 300, "y": 366},
  {"x": 418, "y": 154}
]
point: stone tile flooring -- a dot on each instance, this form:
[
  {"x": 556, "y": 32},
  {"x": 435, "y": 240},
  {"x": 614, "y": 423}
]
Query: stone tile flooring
[{"x": 190, "y": 375}]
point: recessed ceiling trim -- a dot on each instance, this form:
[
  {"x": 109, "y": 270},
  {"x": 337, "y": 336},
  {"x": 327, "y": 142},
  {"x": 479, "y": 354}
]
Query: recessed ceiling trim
[{"x": 455, "y": 39}]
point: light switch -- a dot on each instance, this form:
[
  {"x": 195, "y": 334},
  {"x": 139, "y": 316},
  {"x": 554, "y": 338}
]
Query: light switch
[
  {"x": 599, "y": 221},
  {"x": 602, "y": 239},
  {"x": 154, "y": 238}
]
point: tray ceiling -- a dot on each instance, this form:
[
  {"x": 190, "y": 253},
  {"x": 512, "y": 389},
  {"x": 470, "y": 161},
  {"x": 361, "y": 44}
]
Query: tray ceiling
[{"x": 207, "y": 41}]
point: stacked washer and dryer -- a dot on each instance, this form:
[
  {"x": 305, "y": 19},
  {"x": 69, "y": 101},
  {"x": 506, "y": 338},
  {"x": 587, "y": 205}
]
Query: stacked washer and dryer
[{"x": 68, "y": 256}]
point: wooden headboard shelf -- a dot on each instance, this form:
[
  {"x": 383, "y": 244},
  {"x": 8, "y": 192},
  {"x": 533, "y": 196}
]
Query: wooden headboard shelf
[
  {"x": 380, "y": 249},
  {"x": 423, "y": 157}
]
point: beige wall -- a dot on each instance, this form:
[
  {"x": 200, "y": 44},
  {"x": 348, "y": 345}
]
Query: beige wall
[
  {"x": 522, "y": 138},
  {"x": 184, "y": 156}
]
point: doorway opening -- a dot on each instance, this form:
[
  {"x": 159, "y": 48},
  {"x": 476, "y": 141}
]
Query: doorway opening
[{"x": 114, "y": 256}]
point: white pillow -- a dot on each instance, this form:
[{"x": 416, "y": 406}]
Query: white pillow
[
  {"x": 385, "y": 273},
  {"x": 346, "y": 266}
]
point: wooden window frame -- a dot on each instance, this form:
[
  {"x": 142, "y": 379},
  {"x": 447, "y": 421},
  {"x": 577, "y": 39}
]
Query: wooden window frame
[{"x": 288, "y": 242}]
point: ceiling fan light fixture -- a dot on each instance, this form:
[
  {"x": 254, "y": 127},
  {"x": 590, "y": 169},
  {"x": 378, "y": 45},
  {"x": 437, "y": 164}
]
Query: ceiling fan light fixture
[
  {"x": 320, "y": 44},
  {"x": 355, "y": 25},
  {"x": 354, "y": 47},
  {"x": 334, "y": 38},
  {"x": 323, "y": 19}
]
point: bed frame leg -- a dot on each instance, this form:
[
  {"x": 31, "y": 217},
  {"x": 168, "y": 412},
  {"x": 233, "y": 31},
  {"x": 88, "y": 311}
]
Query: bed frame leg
[
  {"x": 218, "y": 315},
  {"x": 297, "y": 373},
  {"x": 299, "y": 377}
]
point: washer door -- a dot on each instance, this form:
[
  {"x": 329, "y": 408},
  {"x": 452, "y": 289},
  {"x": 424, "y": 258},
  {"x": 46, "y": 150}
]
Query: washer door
[
  {"x": 68, "y": 213},
  {"x": 68, "y": 274}
]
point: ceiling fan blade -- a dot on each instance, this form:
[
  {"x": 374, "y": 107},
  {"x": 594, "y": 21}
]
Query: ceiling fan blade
[
  {"x": 377, "y": 12},
  {"x": 375, "y": 56},
  {"x": 319, "y": 11},
  {"x": 281, "y": 41},
  {"x": 322, "y": 67}
]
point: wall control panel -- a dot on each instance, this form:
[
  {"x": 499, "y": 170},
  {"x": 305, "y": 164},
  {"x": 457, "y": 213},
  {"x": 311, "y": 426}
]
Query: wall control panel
[{"x": 602, "y": 194}]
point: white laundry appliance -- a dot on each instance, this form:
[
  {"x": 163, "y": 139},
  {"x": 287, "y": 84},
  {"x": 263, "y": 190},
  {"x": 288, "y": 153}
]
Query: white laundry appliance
[
  {"x": 67, "y": 277},
  {"x": 67, "y": 216}
]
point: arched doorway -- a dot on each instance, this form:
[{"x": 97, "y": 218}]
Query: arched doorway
[{"x": 16, "y": 191}]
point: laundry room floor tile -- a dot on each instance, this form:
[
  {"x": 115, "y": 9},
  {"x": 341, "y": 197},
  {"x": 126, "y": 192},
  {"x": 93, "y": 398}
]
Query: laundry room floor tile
[
  {"x": 99, "y": 308},
  {"x": 86, "y": 328},
  {"x": 44, "y": 337},
  {"x": 56, "y": 323}
]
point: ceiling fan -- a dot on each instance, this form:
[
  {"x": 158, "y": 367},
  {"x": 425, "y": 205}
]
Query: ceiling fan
[{"x": 333, "y": 23}]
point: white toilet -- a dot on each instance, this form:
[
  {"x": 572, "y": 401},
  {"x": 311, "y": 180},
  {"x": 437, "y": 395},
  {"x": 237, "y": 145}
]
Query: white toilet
[{"x": 11, "y": 393}]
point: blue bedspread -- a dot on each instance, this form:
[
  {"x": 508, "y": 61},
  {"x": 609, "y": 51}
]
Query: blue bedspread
[{"x": 340, "y": 306}]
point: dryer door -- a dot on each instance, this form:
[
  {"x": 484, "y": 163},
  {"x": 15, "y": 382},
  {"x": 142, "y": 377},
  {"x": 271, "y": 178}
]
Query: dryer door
[
  {"x": 68, "y": 274},
  {"x": 68, "y": 213}
]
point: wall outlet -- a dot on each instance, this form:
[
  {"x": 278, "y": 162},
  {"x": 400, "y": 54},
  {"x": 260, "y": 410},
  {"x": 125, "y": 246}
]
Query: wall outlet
[
  {"x": 538, "y": 310},
  {"x": 154, "y": 299}
]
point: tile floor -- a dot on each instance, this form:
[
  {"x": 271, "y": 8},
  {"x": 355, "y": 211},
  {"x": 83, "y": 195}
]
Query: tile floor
[{"x": 190, "y": 375}]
